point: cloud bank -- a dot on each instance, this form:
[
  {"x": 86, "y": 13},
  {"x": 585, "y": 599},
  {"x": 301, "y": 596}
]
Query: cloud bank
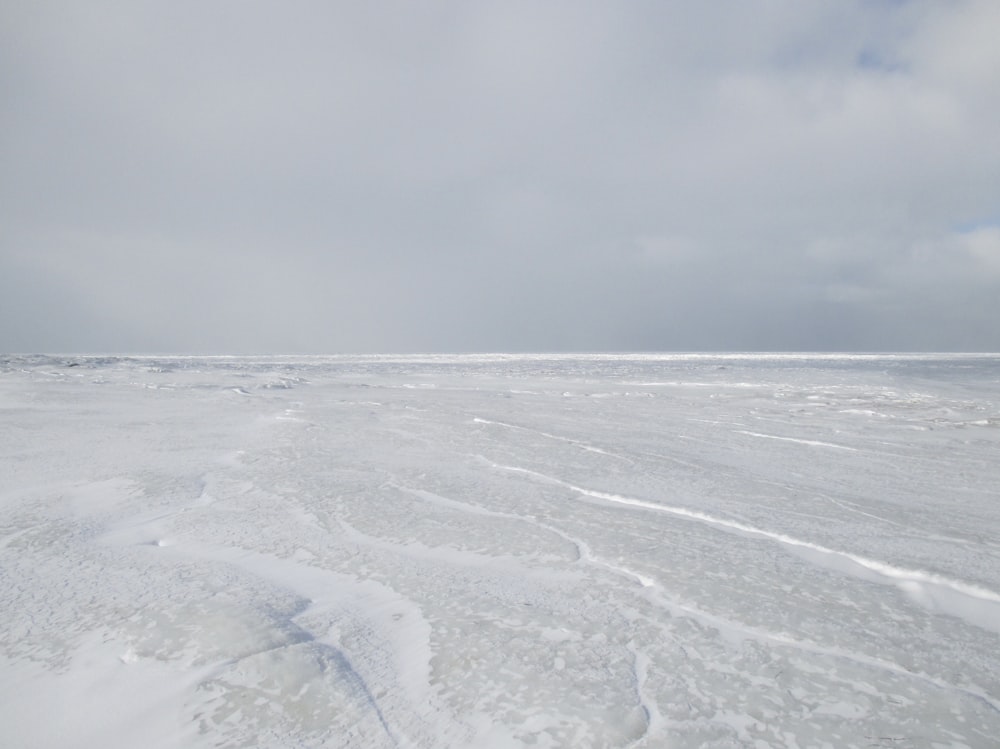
[{"x": 388, "y": 176}]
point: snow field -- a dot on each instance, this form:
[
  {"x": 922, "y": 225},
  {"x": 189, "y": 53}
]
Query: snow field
[{"x": 683, "y": 551}]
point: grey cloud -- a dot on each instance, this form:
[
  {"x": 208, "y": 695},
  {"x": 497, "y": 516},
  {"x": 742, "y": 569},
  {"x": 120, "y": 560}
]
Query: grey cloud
[{"x": 390, "y": 176}]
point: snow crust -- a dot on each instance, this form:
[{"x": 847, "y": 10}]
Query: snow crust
[{"x": 500, "y": 550}]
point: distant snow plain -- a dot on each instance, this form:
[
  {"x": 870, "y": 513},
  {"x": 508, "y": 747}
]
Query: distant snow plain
[{"x": 500, "y": 551}]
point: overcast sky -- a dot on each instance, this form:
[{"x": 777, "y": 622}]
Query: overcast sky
[{"x": 321, "y": 177}]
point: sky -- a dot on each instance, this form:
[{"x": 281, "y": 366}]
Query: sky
[{"x": 341, "y": 177}]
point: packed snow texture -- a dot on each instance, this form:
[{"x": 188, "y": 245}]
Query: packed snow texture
[{"x": 500, "y": 551}]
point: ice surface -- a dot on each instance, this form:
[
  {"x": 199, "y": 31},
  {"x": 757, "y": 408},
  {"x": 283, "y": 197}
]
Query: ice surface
[{"x": 500, "y": 551}]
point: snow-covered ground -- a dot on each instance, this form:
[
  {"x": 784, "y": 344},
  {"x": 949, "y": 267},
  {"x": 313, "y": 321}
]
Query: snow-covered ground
[{"x": 500, "y": 551}]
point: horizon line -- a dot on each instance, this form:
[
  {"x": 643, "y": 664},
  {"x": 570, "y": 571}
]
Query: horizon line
[{"x": 511, "y": 353}]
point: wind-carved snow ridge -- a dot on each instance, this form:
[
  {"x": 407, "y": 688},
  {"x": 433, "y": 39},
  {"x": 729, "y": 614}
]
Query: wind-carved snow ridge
[
  {"x": 817, "y": 443},
  {"x": 395, "y": 664},
  {"x": 973, "y": 603},
  {"x": 736, "y": 631},
  {"x": 578, "y": 443},
  {"x": 640, "y": 670},
  {"x": 731, "y": 629},
  {"x": 583, "y": 551}
]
